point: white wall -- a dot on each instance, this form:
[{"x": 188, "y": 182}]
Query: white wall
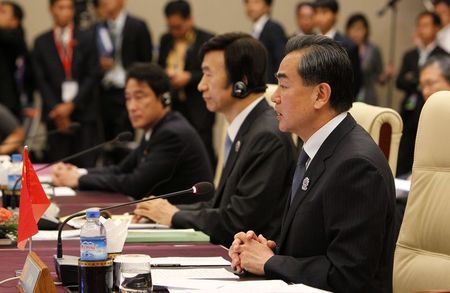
[{"x": 227, "y": 15}]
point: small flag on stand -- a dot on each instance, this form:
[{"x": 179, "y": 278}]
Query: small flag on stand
[{"x": 33, "y": 202}]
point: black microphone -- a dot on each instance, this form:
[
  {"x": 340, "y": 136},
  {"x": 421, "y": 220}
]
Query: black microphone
[
  {"x": 72, "y": 126},
  {"x": 66, "y": 271},
  {"x": 123, "y": 136}
]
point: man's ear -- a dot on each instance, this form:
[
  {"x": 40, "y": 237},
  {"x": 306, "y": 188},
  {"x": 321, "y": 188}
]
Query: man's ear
[{"x": 322, "y": 93}]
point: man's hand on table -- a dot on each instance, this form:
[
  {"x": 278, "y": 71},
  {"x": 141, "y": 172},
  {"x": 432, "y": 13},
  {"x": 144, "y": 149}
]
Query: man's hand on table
[
  {"x": 250, "y": 252},
  {"x": 65, "y": 175},
  {"x": 158, "y": 210}
]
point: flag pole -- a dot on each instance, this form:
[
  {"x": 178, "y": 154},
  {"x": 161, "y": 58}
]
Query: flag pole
[{"x": 31, "y": 243}]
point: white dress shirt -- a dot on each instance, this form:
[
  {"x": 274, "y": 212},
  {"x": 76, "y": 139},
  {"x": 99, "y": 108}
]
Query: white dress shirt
[
  {"x": 313, "y": 144},
  {"x": 236, "y": 124},
  {"x": 258, "y": 26}
]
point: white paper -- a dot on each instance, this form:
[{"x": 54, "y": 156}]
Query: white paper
[
  {"x": 261, "y": 286},
  {"x": 69, "y": 90},
  {"x": 116, "y": 233},
  {"x": 45, "y": 178},
  {"x": 301, "y": 288},
  {"x": 190, "y": 261},
  {"x": 53, "y": 235},
  {"x": 59, "y": 191}
]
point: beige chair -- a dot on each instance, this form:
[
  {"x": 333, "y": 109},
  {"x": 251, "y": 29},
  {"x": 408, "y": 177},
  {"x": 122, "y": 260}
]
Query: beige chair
[
  {"x": 422, "y": 254},
  {"x": 221, "y": 131},
  {"x": 384, "y": 125}
]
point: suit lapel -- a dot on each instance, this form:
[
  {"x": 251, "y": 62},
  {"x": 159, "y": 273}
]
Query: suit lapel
[
  {"x": 237, "y": 145},
  {"x": 314, "y": 172}
]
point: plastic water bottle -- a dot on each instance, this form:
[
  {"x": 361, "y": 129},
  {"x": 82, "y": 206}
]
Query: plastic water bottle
[
  {"x": 93, "y": 238},
  {"x": 14, "y": 182}
]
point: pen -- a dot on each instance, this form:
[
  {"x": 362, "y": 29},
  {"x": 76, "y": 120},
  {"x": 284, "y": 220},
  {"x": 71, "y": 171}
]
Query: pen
[{"x": 166, "y": 265}]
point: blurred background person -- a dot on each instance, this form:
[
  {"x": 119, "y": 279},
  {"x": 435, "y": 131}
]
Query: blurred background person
[
  {"x": 66, "y": 69},
  {"x": 325, "y": 19},
  {"x": 304, "y": 17},
  {"x": 442, "y": 8},
  {"x": 269, "y": 32},
  {"x": 126, "y": 40},
  {"x": 435, "y": 75},
  {"x": 427, "y": 27},
  {"x": 12, "y": 134},
  {"x": 179, "y": 55},
  {"x": 358, "y": 30},
  {"x": 15, "y": 69}
]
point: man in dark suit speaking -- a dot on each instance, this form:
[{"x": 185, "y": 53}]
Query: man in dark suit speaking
[
  {"x": 338, "y": 228},
  {"x": 170, "y": 157},
  {"x": 253, "y": 189}
]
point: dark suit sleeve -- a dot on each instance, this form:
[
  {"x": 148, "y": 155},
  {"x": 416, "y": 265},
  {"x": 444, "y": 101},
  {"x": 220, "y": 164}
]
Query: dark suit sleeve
[
  {"x": 196, "y": 68},
  {"x": 404, "y": 82},
  {"x": 356, "y": 64},
  {"x": 354, "y": 211},
  {"x": 278, "y": 40},
  {"x": 92, "y": 71},
  {"x": 158, "y": 166},
  {"x": 257, "y": 191},
  {"x": 145, "y": 47},
  {"x": 50, "y": 99}
]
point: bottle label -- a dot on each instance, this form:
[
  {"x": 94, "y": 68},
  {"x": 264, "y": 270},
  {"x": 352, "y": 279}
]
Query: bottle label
[
  {"x": 93, "y": 248},
  {"x": 12, "y": 179}
]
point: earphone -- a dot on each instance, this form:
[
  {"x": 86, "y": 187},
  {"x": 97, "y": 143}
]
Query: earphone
[
  {"x": 166, "y": 99},
  {"x": 240, "y": 90}
]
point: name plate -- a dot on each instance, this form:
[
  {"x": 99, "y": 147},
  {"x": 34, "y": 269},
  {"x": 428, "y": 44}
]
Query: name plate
[{"x": 35, "y": 277}]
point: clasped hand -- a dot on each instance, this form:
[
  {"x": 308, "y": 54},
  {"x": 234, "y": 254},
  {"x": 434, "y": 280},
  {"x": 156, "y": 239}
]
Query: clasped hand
[{"x": 250, "y": 252}]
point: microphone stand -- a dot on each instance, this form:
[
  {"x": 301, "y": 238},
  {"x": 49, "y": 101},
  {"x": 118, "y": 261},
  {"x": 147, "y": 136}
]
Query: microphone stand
[{"x": 392, "y": 4}]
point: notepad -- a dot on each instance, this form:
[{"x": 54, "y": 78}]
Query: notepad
[{"x": 170, "y": 235}]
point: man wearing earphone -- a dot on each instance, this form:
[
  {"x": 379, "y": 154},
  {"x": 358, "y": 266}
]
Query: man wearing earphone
[
  {"x": 253, "y": 188},
  {"x": 171, "y": 155}
]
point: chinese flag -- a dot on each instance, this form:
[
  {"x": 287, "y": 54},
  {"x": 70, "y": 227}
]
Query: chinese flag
[{"x": 33, "y": 203}]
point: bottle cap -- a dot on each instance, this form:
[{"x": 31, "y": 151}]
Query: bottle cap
[
  {"x": 93, "y": 213},
  {"x": 16, "y": 158}
]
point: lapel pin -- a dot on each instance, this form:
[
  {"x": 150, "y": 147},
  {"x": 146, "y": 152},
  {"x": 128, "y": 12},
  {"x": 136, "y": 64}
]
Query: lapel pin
[
  {"x": 237, "y": 146},
  {"x": 305, "y": 184}
]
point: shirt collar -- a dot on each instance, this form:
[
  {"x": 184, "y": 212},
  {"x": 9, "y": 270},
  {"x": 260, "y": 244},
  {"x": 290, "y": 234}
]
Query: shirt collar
[
  {"x": 313, "y": 144},
  {"x": 427, "y": 50},
  {"x": 258, "y": 26},
  {"x": 119, "y": 22},
  {"x": 148, "y": 134},
  {"x": 331, "y": 33},
  {"x": 236, "y": 124}
]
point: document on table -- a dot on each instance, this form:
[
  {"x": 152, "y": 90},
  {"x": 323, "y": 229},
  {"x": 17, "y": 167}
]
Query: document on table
[
  {"x": 53, "y": 235},
  {"x": 59, "y": 191},
  {"x": 260, "y": 286},
  {"x": 189, "y": 261},
  {"x": 205, "y": 278}
]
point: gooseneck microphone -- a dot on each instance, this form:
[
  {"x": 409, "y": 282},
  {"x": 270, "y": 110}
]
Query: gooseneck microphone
[
  {"x": 67, "y": 270},
  {"x": 123, "y": 136},
  {"x": 200, "y": 188}
]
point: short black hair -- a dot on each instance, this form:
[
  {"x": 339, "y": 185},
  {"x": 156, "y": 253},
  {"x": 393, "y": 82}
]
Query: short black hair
[
  {"x": 358, "y": 17},
  {"x": 324, "y": 60},
  {"x": 303, "y": 4},
  {"x": 17, "y": 10},
  {"x": 332, "y": 5},
  {"x": 152, "y": 74},
  {"x": 434, "y": 17},
  {"x": 178, "y": 7},
  {"x": 268, "y": 2},
  {"x": 245, "y": 57},
  {"x": 53, "y": 2},
  {"x": 442, "y": 61},
  {"x": 446, "y": 2}
]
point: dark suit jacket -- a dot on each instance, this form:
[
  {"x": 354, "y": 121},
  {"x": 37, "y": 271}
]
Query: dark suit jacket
[
  {"x": 12, "y": 45},
  {"x": 50, "y": 75},
  {"x": 137, "y": 43},
  {"x": 274, "y": 39},
  {"x": 338, "y": 235},
  {"x": 194, "y": 108},
  {"x": 411, "y": 106},
  {"x": 173, "y": 159},
  {"x": 352, "y": 51},
  {"x": 253, "y": 188}
]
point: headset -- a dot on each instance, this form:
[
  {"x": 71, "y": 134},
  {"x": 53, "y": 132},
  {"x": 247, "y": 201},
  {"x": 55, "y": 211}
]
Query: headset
[
  {"x": 166, "y": 99},
  {"x": 240, "y": 90}
]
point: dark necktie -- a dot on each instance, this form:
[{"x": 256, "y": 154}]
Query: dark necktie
[{"x": 299, "y": 173}]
